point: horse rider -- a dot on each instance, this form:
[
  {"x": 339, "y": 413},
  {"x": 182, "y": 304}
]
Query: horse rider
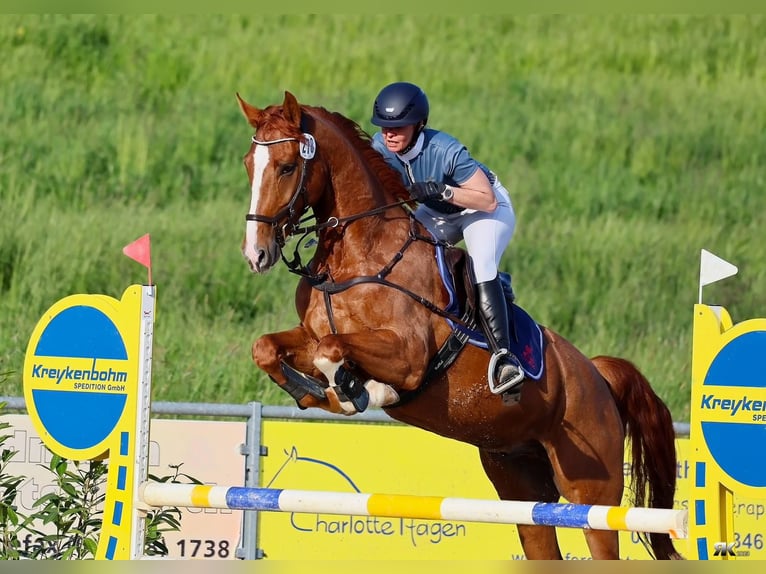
[{"x": 459, "y": 198}]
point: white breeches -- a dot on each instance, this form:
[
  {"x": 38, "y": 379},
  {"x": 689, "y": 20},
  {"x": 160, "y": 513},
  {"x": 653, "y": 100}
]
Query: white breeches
[{"x": 486, "y": 235}]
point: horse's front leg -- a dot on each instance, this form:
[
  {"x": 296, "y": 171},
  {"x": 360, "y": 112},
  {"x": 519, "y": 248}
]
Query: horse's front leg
[
  {"x": 294, "y": 348},
  {"x": 392, "y": 364}
]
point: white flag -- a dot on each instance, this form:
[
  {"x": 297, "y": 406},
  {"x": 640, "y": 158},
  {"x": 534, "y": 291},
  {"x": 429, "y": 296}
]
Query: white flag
[{"x": 713, "y": 268}]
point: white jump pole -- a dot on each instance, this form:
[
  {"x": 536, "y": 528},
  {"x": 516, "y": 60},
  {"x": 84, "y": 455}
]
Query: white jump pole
[{"x": 666, "y": 521}]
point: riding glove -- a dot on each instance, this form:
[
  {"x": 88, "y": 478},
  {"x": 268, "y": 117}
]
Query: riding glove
[{"x": 423, "y": 191}]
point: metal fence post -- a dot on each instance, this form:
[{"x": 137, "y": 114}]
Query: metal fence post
[{"x": 252, "y": 450}]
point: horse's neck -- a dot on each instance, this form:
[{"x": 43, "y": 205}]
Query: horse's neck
[
  {"x": 354, "y": 186},
  {"x": 355, "y": 189},
  {"x": 366, "y": 233}
]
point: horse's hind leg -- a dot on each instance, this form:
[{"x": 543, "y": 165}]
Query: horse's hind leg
[
  {"x": 592, "y": 480},
  {"x": 588, "y": 467},
  {"x": 526, "y": 475}
]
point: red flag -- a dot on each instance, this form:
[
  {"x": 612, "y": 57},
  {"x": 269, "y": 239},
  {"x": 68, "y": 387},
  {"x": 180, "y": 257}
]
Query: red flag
[{"x": 141, "y": 250}]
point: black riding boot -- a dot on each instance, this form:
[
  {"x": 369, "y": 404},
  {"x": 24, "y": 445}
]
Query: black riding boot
[{"x": 504, "y": 372}]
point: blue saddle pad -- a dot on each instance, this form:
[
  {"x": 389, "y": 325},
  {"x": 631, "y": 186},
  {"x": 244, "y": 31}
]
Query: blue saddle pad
[{"x": 528, "y": 346}]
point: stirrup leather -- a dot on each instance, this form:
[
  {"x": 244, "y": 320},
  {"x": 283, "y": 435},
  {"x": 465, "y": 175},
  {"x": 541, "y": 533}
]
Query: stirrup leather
[{"x": 501, "y": 388}]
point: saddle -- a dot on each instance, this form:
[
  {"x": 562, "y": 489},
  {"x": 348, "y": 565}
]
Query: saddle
[{"x": 456, "y": 271}]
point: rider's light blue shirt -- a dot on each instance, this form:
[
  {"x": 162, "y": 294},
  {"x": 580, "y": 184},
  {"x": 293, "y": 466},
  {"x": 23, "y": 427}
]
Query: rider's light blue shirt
[{"x": 440, "y": 157}]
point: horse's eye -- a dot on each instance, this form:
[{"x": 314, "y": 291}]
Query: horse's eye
[{"x": 287, "y": 169}]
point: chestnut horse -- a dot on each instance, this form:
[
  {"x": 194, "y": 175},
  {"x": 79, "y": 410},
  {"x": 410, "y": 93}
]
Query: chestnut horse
[{"x": 370, "y": 305}]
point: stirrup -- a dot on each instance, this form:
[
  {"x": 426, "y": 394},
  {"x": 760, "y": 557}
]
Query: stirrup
[{"x": 501, "y": 388}]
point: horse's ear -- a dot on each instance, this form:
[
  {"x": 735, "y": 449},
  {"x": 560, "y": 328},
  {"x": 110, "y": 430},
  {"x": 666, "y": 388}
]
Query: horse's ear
[
  {"x": 252, "y": 114},
  {"x": 291, "y": 109}
]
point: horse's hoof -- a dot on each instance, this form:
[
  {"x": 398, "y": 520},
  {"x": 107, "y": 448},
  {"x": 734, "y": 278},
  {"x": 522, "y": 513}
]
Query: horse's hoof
[{"x": 381, "y": 394}]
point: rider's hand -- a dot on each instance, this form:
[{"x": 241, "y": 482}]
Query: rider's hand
[{"x": 423, "y": 191}]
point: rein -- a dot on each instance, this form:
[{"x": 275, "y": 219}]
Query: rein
[{"x": 296, "y": 266}]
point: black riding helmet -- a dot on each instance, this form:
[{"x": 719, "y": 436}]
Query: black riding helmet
[{"x": 400, "y": 104}]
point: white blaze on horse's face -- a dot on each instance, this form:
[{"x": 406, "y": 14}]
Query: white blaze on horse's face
[{"x": 252, "y": 252}]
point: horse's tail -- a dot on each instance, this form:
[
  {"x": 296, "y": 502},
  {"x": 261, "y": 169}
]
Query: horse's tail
[{"x": 649, "y": 426}]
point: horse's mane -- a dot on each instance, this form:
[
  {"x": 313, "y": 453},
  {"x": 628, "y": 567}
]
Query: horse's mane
[{"x": 362, "y": 141}]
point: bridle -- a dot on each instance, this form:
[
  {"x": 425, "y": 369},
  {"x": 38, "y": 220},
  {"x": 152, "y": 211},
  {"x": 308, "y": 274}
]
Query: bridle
[{"x": 307, "y": 151}]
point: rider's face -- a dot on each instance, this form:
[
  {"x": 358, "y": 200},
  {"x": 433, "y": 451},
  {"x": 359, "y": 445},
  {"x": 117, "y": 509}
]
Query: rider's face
[{"x": 396, "y": 139}]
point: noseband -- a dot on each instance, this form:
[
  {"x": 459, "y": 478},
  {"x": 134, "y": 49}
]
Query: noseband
[{"x": 307, "y": 151}]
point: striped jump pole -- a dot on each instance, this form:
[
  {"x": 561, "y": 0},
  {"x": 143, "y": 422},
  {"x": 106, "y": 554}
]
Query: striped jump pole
[{"x": 666, "y": 521}]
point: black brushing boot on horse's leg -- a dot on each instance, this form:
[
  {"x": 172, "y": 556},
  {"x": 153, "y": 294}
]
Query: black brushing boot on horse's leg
[
  {"x": 504, "y": 372},
  {"x": 351, "y": 388}
]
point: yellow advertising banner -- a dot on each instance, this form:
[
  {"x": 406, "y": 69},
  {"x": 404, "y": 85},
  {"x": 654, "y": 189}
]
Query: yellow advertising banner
[{"x": 397, "y": 459}]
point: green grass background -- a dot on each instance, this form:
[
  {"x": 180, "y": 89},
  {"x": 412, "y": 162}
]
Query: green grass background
[{"x": 629, "y": 143}]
